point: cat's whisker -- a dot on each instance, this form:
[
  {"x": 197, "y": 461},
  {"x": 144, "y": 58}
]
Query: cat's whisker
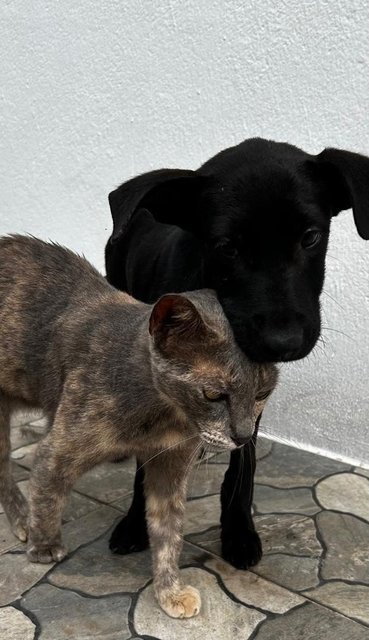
[
  {"x": 192, "y": 458},
  {"x": 176, "y": 444},
  {"x": 235, "y": 486}
]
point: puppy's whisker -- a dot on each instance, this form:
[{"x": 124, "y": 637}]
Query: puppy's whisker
[
  {"x": 320, "y": 347},
  {"x": 334, "y": 300},
  {"x": 323, "y": 340},
  {"x": 269, "y": 435},
  {"x": 340, "y": 332},
  {"x": 331, "y": 255}
]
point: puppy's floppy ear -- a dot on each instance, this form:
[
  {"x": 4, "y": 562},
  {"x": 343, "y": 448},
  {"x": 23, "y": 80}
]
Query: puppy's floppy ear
[
  {"x": 171, "y": 195},
  {"x": 347, "y": 178},
  {"x": 174, "y": 321}
]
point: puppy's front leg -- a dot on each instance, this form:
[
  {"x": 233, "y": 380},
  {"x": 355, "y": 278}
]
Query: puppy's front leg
[{"x": 165, "y": 488}]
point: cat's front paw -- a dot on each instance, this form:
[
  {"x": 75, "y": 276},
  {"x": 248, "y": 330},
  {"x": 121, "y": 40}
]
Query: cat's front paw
[
  {"x": 45, "y": 554},
  {"x": 241, "y": 548},
  {"x": 182, "y": 603}
]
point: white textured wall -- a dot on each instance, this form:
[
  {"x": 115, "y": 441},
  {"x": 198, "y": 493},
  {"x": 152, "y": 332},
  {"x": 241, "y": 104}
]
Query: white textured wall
[{"x": 94, "y": 92}]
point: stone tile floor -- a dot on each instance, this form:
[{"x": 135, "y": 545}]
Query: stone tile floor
[{"x": 312, "y": 583}]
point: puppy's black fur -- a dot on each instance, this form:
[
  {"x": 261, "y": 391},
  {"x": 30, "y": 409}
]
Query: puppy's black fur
[{"x": 253, "y": 224}]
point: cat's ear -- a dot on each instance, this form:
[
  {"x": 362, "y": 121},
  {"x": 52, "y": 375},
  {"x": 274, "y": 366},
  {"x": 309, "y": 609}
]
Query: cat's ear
[
  {"x": 346, "y": 178},
  {"x": 171, "y": 195},
  {"x": 175, "y": 320}
]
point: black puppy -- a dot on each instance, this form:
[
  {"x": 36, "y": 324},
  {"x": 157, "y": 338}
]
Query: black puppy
[{"x": 253, "y": 224}]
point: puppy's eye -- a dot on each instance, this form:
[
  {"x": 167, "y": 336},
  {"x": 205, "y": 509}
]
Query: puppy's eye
[
  {"x": 226, "y": 249},
  {"x": 214, "y": 396},
  {"x": 311, "y": 238}
]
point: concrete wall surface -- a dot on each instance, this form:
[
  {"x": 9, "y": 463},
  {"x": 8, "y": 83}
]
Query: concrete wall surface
[{"x": 94, "y": 92}]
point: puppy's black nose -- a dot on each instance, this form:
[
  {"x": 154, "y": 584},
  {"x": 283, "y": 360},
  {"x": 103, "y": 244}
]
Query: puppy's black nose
[
  {"x": 286, "y": 340},
  {"x": 239, "y": 440},
  {"x": 281, "y": 336}
]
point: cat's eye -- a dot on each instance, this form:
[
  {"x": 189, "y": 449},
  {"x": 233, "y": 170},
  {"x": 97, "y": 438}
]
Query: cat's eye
[
  {"x": 214, "y": 396},
  {"x": 260, "y": 397},
  {"x": 311, "y": 238}
]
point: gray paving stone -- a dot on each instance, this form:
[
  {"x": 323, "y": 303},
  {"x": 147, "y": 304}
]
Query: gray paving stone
[
  {"x": 263, "y": 447},
  {"x": 347, "y": 492},
  {"x": 17, "y": 575},
  {"x": 311, "y": 622},
  {"x": 202, "y": 514},
  {"x": 19, "y": 473},
  {"x": 291, "y": 572},
  {"x": 95, "y": 571},
  {"x": 78, "y": 505},
  {"x": 254, "y": 590},
  {"x": 24, "y": 434},
  {"x": 270, "y": 500},
  {"x": 350, "y": 599},
  {"x": 219, "y": 619},
  {"x": 346, "y": 538},
  {"x": 221, "y": 458},
  {"x": 205, "y": 479},
  {"x": 40, "y": 421},
  {"x": 14, "y": 625},
  {"x": 208, "y": 540},
  {"x": 79, "y": 532},
  {"x": 362, "y": 471},
  {"x": 25, "y": 454},
  {"x": 285, "y": 533},
  {"x": 64, "y": 615},
  {"x": 288, "y": 533},
  {"x": 7, "y": 538},
  {"x": 108, "y": 482},
  {"x": 289, "y": 467}
]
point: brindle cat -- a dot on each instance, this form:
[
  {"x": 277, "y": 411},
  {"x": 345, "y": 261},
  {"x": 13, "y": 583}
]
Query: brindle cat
[{"x": 115, "y": 377}]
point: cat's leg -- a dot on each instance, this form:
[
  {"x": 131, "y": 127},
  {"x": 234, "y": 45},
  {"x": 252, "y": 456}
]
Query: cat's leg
[
  {"x": 131, "y": 534},
  {"x": 241, "y": 545},
  {"x": 60, "y": 460},
  {"x": 11, "y": 498},
  {"x": 165, "y": 489}
]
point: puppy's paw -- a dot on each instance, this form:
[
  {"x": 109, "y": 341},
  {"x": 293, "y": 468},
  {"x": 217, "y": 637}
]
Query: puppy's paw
[
  {"x": 129, "y": 535},
  {"x": 45, "y": 554},
  {"x": 185, "y": 603},
  {"x": 241, "y": 548}
]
